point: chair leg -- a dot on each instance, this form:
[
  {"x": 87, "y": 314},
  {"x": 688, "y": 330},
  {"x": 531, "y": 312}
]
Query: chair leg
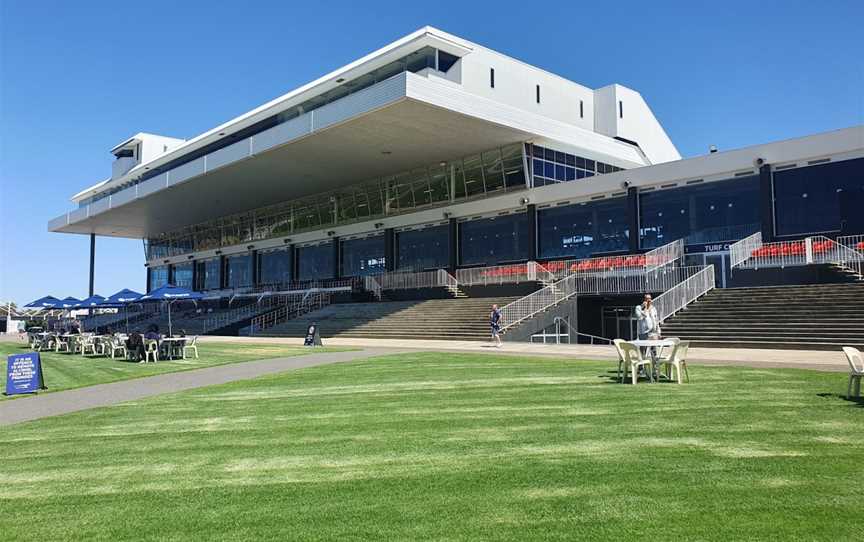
[
  {"x": 849, "y": 387},
  {"x": 858, "y": 386}
]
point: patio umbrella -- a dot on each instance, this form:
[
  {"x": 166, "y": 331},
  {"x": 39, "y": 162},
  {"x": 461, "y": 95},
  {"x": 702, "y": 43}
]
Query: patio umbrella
[
  {"x": 169, "y": 294},
  {"x": 68, "y": 303},
  {"x": 121, "y": 300},
  {"x": 47, "y": 302},
  {"x": 90, "y": 302}
]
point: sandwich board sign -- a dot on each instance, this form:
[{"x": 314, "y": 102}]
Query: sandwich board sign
[
  {"x": 313, "y": 336},
  {"x": 24, "y": 374}
]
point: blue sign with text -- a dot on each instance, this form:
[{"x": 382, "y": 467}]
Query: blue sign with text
[{"x": 24, "y": 373}]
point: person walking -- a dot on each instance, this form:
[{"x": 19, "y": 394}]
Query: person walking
[{"x": 495, "y": 323}]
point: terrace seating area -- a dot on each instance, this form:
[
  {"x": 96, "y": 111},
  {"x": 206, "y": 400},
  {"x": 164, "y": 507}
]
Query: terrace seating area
[{"x": 792, "y": 248}]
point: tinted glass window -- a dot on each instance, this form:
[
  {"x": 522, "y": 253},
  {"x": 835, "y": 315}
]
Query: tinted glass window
[
  {"x": 274, "y": 266},
  {"x": 209, "y": 274},
  {"x": 158, "y": 277},
  {"x": 362, "y": 257},
  {"x": 579, "y": 231},
  {"x": 428, "y": 248},
  {"x": 316, "y": 262},
  {"x": 183, "y": 275},
  {"x": 823, "y": 198},
  {"x": 490, "y": 241},
  {"x": 703, "y": 213},
  {"x": 238, "y": 270}
]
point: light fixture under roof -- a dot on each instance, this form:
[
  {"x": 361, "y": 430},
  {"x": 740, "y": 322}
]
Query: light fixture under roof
[{"x": 340, "y": 80}]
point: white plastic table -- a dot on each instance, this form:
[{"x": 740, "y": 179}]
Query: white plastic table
[
  {"x": 655, "y": 347},
  {"x": 170, "y": 347}
]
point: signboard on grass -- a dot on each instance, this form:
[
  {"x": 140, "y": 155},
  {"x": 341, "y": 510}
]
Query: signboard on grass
[
  {"x": 24, "y": 373},
  {"x": 313, "y": 336}
]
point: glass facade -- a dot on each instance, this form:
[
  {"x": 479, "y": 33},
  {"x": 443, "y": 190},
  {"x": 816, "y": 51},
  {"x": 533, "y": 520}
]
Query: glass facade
[
  {"x": 549, "y": 166},
  {"x": 487, "y": 173},
  {"x": 701, "y": 213},
  {"x": 579, "y": 231},
  {"x": 158, "y": 277},
  {"x": 823, "y": 198},
  {"x": 421, "y": 249},
  {"x": 238, "y": 270},
  {"x": 274, "y": 266},
  {"x": 361, "y": 257},
  {"x": 490, "y": 241},
  {"x": 208, "y": 274},
  {"x": 183, "y": 275},
  {"x": 316, "y": 262}
]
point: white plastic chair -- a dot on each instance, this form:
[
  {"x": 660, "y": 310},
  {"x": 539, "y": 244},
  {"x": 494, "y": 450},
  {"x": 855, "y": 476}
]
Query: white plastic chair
[
  {"x": 856, "y": 370},
  {"x": 151, "y": 348},
  {"x": 116, "y": 345},
  {"x": 88, "y": 344},
  {"x": 62, "y": 345},
  {"x": 192, "y": 346},
  {"x": 633, "y": 361},
  {"x": 617, "y": 344},
  {"x": 676, "y": 362}
]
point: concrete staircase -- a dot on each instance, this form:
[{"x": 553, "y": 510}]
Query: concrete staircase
[
  {"x": 812, "y": 317},
  {"x": 460, "y": 319}
]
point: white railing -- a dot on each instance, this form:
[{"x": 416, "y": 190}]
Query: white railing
[
  {"x": 409, "y": 280},
  {"x": 855, "y": 242},
  {"x": 741, "y": 251},
  {"x": 498, "y": 274},
  {"x": 685, "y": 292},
  {"x": 371, "y": 284},
  {"x": 241, "y": 313},
  {"x": 664, "y": 255},
  {"x": 310, "y": 302},
  {"x": 826, "y": 250},
  {"x": 657, "y": 280},
  {"x": 534, "y": 303}
]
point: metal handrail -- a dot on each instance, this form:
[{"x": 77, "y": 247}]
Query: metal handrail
[
  {"x": 536, "y": 302},
  {"x": 664, "y": 255},
  {"x": 497, "y": 274},
  {"x": 682, "y": 294},
  {"x": 742, "y": 250},
  {"x": 309, "y": 302},
  {"x": 855, "y": 242}
]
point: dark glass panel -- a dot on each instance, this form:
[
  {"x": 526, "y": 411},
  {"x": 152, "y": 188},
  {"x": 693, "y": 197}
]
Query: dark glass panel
[
  {"x": 494, "y": 240},
  {"x": 579, "y": 231}
]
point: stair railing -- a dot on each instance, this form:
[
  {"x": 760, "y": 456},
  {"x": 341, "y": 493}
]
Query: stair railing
[
  {"x": 836, "y": 253},
  {"x": 664, "y": 255},
  {"x": 742, "y": 250},
  {"x": 685, "y": 292},
  {"x": 410, "y": 280},
  {"x": 855, "y": 242},
  {"x": 496, "y": 274},
  {"x": 541, "y": 273},
  {"x": 371, "y": 284},
  {"x": 539, "y": 301},
  {"x": 310, "y": 302}
]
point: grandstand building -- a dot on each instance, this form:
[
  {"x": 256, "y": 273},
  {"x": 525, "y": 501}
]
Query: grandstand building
[{"x": 435, "y": 153}]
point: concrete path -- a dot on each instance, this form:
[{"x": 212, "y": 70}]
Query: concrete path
[
  {"x": 819, "y": 360},
  {"x": 64, "y": 402}
]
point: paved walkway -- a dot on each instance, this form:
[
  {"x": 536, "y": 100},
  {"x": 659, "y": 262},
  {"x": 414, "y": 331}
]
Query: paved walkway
[
  {"x": 64, "y": 402},
  {"x": 749, "y": 357}
]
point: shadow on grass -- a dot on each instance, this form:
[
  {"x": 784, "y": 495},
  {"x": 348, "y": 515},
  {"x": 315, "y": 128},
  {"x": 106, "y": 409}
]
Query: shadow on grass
[{"x": 857, "y": 401}]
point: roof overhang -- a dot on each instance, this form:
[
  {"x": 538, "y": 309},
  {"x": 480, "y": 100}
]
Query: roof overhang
[{"x": 416, "y": 120}]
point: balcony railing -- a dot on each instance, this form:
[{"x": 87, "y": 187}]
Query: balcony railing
[
  {"x": 502, "y": 274},
  {"x": 752, "y": 253},
  {"x": 626, "y": 264},
  {"x": 685, "y": 292},
  {"x": 539, "y": 301}
]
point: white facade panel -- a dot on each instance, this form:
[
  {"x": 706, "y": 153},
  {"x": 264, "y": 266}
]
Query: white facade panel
[
  {"x": 99, "y": 206},
  {"x": 152, "y": 185},
  {"x": 282, "y": 133},
  {"x": 226, "y": 155},
  {"x": 360, "y": 102},
  {"x": 122, "y": 197},
  {"x": 59, "y": 222},
  {"x": 186, "y": 171},
  {"x": 78, "y": 214}
]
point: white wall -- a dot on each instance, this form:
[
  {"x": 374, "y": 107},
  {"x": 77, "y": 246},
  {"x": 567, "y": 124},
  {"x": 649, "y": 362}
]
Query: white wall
[{"x": 637, "y": 123}]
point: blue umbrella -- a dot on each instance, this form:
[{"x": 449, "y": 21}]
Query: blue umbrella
[
  {"x": 121, "y": 300},
  {"x": 90, "y": 302},
  {"x": 47, "y": 302},
  {"x": 68, "y": 303},
  {"x": 169, "y": 293}
]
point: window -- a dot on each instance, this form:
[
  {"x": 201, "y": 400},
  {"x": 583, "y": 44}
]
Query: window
[
  {"x": 446, "y": 61},
  {"x": 316, "y": 262},
  {"x": 704, "y": 213},
  {"x": 361, "y": 257},
  {"x": 583, "y": 230},
  {"x": 581, "y": 109},
  {"x": 492, "y": 77},
  {"x": 183, "y": 275},
  {"x": 490, "y": 241},
  {"x": 238, "y": 270},
  {"x": 824, "y": 198},
  {"x": 620, "y": 109},
  {"x": 274, "y": 266},
  {"x": 551, "y": 166},
  {"x": 427, "y": 248},
  {"x": 158, "y": 277},
  {"x": 208, "y": 274},
  {"x": 538, "y": 93}
]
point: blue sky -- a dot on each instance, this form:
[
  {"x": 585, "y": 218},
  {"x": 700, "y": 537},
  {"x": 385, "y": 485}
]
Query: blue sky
[{"x": 76, "y": 78}]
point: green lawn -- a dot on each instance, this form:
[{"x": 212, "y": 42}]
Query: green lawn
[
  {"x": 449, "y": 447},
  {"x": 67, "y": 371}
]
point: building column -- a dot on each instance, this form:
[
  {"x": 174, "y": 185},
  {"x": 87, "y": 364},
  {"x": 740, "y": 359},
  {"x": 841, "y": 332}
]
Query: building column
[
  {"x": 223, "y": 273},
  {"x": 766, "y": 203},
  {"x": 194, "y": 275},
  {"x": 453, "y": 232},
  {"x": 93, "y": 261},
  {"x": 337, "y": 258},
  {"x": 390, "y": 249},
  {"x": 294, "y": 272},
  {"x": 147, "y": 279},
  {"x": 254, "y": 266},
  {"x": 531, "y": 211},
  {"x": 633, "y": 218}
]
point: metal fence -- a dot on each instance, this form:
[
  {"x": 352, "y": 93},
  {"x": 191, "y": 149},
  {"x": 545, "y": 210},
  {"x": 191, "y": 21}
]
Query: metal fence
[
  {"x": 498, "y": 274},
  {"x": 752, "y": 253},
  {"x": 664, "y": 255},
  {"x": 542, "y": 299},
  {"x": 685, "y": 292},
  {"x": 308, "y": 303},
  {"x": 627, "y": 264},
  {"x": 742, "y": 250}
]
